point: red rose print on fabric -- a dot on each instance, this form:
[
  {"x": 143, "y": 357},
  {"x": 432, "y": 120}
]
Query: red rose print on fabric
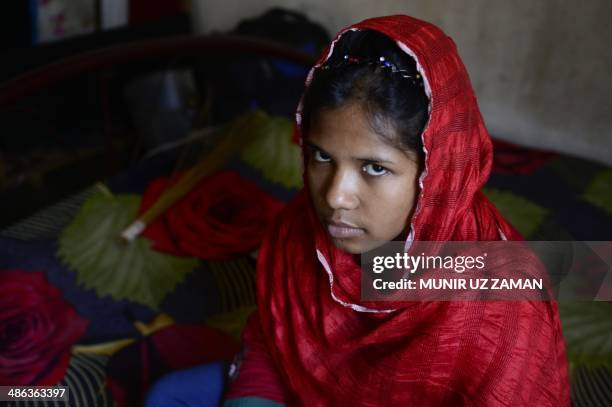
[
  {"x": 37, "y": 329},
  {"x": 223, "y": 216}
]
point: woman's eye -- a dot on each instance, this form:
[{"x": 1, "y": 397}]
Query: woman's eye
[
  {"x": 320, "y": 156},
  {"x": 375, "y": 170}
]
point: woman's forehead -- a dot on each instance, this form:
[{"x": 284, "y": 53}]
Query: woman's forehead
[{"x": 346, "y": 130}]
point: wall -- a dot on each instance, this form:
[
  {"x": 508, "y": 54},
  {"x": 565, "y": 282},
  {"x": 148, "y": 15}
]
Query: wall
[{"x": 541, "y": 69}]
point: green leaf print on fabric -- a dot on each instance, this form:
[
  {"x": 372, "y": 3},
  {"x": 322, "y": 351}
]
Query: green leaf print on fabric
[
  {"x": 91, "y": 247},
  {"x": 523, "y": 214}
]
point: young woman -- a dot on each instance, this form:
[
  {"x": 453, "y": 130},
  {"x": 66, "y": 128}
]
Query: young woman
[{"x": 395, "y": 148}]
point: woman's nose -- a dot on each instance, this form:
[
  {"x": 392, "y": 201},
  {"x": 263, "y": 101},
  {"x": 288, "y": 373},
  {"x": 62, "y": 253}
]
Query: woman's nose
[{"x": 342, "y": 191}]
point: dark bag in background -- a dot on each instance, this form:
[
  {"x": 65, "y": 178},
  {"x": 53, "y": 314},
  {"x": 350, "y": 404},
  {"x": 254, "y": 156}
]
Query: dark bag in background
[{"x": 272, "y": 84}]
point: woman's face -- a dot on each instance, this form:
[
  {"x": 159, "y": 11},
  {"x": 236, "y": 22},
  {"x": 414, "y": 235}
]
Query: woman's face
[{"x": 363, "y": 188}]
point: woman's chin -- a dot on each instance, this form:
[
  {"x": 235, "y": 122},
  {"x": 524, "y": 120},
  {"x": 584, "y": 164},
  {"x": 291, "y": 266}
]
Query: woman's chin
[{"x": 355, "y": 245}]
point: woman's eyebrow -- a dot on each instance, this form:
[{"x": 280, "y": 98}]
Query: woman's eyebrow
[
  {"x": 313, "y": 145},
  {"x": 375, "y": 160},
  {"x": 369, "y": 159}
]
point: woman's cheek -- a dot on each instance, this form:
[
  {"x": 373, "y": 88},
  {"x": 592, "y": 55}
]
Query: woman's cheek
[
  {"x": 393, "y": 206},
  {"x": 315, "y": 179},
  {"x": 318, "y": 173}
]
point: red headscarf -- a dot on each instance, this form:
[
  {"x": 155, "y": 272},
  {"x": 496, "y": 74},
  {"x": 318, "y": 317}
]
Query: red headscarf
[{"x": 330, "y": 348}]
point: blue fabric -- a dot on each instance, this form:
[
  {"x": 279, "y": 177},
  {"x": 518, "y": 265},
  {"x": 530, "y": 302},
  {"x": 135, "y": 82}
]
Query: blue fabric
[{"x": 198, "y": 386}]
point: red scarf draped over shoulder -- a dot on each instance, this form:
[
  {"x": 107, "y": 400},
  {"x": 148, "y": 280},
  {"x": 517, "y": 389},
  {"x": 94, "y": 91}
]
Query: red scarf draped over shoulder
[{"x": 330, "y": 348}]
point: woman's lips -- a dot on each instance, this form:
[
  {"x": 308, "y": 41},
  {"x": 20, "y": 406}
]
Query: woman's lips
[{"x": 340, "y": 230}]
